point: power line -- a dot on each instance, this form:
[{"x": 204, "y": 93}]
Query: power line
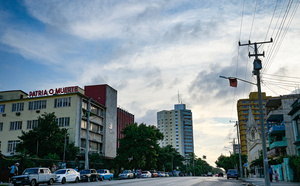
[{"x": 284, "y": 32}]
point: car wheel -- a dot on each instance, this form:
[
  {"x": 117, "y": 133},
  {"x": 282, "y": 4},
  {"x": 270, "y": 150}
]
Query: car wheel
[
  {"x": 100, "y": 179},
  {"x": 50, "y": 182},
  {"x": 63, "y": 181},
  {"x": 237, "y": 178},
  {"x": 77, "y": 180},
  {"x": 33, "y": 183},
  {"x": 110, "y": 178},
  {"x": 227, "y": 178}
]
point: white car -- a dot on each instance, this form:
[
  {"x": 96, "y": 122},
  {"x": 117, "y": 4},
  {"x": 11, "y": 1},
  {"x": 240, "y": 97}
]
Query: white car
[
  {"x": 67, "y": 175},
  {"x": 146, "y": 174}
]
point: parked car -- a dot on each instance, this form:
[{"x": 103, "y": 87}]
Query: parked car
[
  {"x": 232, "y": 173},
  {"x": 137, "y": 173},
  {"x": 67, "y": 175},
  {"x": 220, "y": 174},
  {"x": 209, "y": 174},
  {"x": 34, "y": 176},
  {"x": 126, "y": 174},
  {"x": 161, "y": 174},
  {"x": 154, "y": 174},
  {"x": 89, "y": 175},
  {"x": 105, "y": 174},
  {"x": 146, "y": 174},
  {"x": 167, "y": 174}
]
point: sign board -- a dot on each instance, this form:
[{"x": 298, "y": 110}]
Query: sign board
[{"x": 63, "y": 90}]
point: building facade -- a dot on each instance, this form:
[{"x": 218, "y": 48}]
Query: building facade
[
  {"x": 177, "y": 128},
  {"x": 279, "y": 124},
  {"x": 124, "y": 118},
  {"x": 295, "y": 114},
  {"x": 243, "y": 106},
  {"x": 19, "y": 111}
]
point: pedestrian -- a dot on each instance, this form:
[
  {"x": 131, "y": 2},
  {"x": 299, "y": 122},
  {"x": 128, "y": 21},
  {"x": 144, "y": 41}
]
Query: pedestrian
[
  {"x": 13, "y": 171},
  {"x": 276, "y": 176},
  {"x": 271, "y": 174}
]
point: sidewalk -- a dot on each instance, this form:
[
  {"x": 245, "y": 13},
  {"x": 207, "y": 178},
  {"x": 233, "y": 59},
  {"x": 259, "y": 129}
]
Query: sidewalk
[{"x": 261, "y": 182}]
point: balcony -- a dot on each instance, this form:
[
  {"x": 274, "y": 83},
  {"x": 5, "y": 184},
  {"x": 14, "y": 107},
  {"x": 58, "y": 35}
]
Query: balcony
[
  {"x": 278, "y": 144},
  {"x": 276, "y": 129},
  {"x": 297, "y": 142}
]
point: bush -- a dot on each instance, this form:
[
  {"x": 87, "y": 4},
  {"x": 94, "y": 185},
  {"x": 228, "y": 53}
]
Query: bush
[{"x": 294, "y": 164}]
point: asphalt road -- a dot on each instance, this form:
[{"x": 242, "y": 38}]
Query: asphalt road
[{"x": 168, "y": 181}]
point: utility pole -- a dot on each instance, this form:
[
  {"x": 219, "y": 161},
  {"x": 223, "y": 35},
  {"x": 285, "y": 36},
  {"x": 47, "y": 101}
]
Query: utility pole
[
  {"x": 87, "y": 135},
  {"x": 257, "y": 67},
  {"x": 239, "y": 146}
]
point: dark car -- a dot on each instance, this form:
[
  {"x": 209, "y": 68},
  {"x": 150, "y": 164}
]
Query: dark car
[
  {"x": 220, "y": 174},
  {"x": 89, "y": 175},
  {"x": 154, "y": 174},
  {"x": 232, "y": 173}
]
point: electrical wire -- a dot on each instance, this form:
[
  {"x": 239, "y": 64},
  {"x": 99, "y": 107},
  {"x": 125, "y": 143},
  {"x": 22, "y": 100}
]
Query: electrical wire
[
  {"x": 284, "y": 33},
  {"x": 280, "y": 35}
]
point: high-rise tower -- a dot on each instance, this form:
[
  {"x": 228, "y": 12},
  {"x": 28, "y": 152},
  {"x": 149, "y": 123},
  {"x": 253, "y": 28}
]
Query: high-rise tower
[{"x": 177, "y": 127}]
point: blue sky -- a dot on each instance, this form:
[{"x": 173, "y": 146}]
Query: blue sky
[{"x": 148, "y": 51}]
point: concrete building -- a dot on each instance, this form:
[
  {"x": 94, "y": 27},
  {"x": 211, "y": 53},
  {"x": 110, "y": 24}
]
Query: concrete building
[
  {"x": 279, "y": 123},
  {"x": 243, "y": 106},
  {"x": 295, "y": 114},
  {"x": 254, "y": 144},
  {"x": 19, "y": 111},
  {"x": 177, "y": 127},
  {"x": 107, "y": 96},
  {"x": 124, "y": 118}
]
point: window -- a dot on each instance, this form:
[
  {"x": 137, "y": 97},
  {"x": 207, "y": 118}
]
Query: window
[
  {"x": 62, "y": 102},
  {"x": 2, "y": 108},
  {"x": 37, "y": 105},
  {"x": 1, "y": 127},
  {"x": 63, "y": 122},
  {"x": 15, "y": 125},
  {"x": 17, "y": 107},
  {"x": 32, "y": 124},
  {"x": 11, "y": 147}
]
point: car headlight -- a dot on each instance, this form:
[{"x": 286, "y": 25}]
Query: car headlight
[
  {"x": 26, "y": 178},
  {"x": 58, "y": 176}
]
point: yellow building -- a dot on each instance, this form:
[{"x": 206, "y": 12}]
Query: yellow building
[
  {"x": 243, "y": 106},
  {"x": 19, "y": 111}
]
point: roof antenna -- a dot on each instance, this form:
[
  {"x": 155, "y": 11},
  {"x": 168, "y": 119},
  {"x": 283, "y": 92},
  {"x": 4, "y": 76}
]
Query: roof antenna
[{"x": 178, "y": 97}]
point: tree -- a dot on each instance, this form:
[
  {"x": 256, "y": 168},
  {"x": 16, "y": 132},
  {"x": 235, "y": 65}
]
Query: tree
[
  {"x": 139, "y": 148},
  {"x": 168, "y": 159},
  {"x": 230, "y": 162},
  {"x": 47, "y": 138}
]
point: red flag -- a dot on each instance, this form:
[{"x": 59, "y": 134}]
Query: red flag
[{"x": 233, "y": 82}]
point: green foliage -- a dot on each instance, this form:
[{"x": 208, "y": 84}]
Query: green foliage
[
  {"x": 199, "y": 166},
  {"x": 294, "y": 163},
  {"x": 139, "y": 148},
  {"x": 230, "y": 162},
  {"x": 46, "y": 139},
  {"x": 168, "y": 159}
]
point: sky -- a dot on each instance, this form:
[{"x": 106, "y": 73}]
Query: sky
[{"x": 155, "y": 53}]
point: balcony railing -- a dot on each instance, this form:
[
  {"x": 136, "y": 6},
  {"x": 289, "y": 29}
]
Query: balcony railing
[{"x": 278, "y": 144}]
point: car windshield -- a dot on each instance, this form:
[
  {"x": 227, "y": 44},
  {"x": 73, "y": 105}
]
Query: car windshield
[
  {"x": 145, "y": 172},
  {"x": 85, "y": 171},
  {"x": 232, "y": 171},
  {"x": 126, "y": 171},
  {"x": 100, "y": 171},
  {"x": 31, "y": 171},
  {"x": 60, "y": 172}
]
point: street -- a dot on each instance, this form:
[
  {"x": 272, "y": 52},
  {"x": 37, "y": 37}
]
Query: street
[{"x": 169, "y": 181}]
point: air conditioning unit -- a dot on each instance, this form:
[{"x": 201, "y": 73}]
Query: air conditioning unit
[
  {"x": 37, "y": 111},
  {"x": 3, "y": 115},
  {"x": 18, "y": 113}
]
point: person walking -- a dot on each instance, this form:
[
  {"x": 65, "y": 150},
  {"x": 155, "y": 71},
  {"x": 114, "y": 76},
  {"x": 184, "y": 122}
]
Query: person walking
[
  {"x": 271, "y": 174},
  {"x": 276, "y": 176},
  {"x": 13, "y": 171}
]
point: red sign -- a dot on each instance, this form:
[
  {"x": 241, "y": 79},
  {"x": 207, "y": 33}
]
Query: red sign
[{"x": 64, "y": 90}]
